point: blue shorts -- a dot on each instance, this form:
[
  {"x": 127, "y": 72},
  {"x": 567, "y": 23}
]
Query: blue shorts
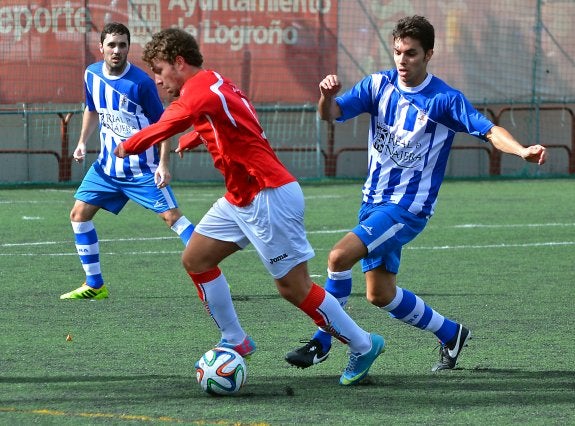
[
  {"x": 112, "y": 193},
  {"x": 385, "y": 229}
]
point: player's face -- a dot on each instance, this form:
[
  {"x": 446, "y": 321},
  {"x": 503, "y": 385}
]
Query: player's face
[
  {"x": 115, "y": 50},
  {"x": 410, "y": 61},
  {"x": 168, "y": 76}
]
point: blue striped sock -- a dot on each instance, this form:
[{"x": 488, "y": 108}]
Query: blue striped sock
[
  {"x": 412, "y": 310},
  {"x": 88, "y": 249},
  {"x": 184, "y": 228}
]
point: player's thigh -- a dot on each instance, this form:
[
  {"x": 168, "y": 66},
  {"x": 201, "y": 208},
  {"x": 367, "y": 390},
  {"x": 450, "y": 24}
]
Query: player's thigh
[
  {"x": 83, "y": 212},
  {"x": 219, "y": 223},
  {"x": 274, "y": 224},
  {"x": 384, "y": 230},
  {"x": 143, "y": 190},
  {"x": 346, "y": 253},
  {"x": 100, "y": 190},
  {"x": 203, "y": 253}
]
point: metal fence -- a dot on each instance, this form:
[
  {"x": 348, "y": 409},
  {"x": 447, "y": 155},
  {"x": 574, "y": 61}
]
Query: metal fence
[{"x": 514, "y": 60}]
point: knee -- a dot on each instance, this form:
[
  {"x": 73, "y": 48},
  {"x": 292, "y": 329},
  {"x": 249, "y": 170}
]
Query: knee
[
  {"x": 76, "y": 215},
  {"x": 381, "y": 297},
  {"x": 171, "y": 216},
  {"x": 190, "y": 265},
  {"x": 195, "y": 263},
  {"x": 337, "y": 260}
]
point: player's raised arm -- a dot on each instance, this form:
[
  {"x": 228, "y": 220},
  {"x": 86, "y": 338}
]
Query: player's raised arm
[
  {"x": 327, "y": 108},
  {"x": 501, "y": 139},
  {"x": 174, "y": 120}
]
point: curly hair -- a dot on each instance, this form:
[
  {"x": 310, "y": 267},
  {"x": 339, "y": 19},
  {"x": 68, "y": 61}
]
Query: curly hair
[
  {"x": 416, "y": 27},
  {"x": 167, "y": 44}
]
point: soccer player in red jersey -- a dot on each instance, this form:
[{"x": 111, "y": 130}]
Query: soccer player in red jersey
[{"x": 263, "y": 205}]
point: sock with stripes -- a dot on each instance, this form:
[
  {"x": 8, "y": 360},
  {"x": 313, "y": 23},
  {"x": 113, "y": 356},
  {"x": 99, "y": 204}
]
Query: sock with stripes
[
  {"x": 337, "y": 284},
  {"x": 88, "y": 249},
  {"x": 412, "y": 310},
  {"x": 327, "y": 313},
  {"x": 184, "y": 228},
  {"x": 214, "y": 292}
]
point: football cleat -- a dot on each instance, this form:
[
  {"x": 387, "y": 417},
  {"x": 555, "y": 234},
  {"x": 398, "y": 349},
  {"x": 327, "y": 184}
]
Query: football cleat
[
  {"x": 87, "y": 292},
  {"x": 449, "y": 352},
  {"x": 310, "y": 354},
  {"x": 359, "y": 365},
  {"x": 245, "y": 349}
]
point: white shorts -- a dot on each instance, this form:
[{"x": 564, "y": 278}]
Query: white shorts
[{"x": 273, "y": 223}]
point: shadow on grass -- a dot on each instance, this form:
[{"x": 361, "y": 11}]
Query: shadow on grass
[{"x": 481, "y": 386}]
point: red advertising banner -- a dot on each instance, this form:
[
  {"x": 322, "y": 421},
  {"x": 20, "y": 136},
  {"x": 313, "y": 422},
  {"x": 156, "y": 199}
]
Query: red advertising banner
[{"x": 275, "y": 50}]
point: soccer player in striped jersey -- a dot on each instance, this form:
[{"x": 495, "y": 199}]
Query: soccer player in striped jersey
[
  {"x": 263, "y": 204},
  {"x": 414, "y": 118},
  {"x": 122, "y": 99}
]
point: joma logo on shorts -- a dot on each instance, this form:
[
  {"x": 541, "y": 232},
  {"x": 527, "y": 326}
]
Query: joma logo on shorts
[{"x": 277, "y": 259}]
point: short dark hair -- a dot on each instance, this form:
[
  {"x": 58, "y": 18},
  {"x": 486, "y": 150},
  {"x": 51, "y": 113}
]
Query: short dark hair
[
  {"x": 169, "y": 43},
  {"x": 416, "y": 27},
  {"x": 114, "y": 28}
]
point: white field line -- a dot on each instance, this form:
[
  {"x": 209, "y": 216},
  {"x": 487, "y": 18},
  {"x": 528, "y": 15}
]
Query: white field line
[
  {"x": 333, "y": 231},
  {"x": 517, "y": 225},
  {"x": 183, "y": 196},
  {"x": 459, "y": 247}
]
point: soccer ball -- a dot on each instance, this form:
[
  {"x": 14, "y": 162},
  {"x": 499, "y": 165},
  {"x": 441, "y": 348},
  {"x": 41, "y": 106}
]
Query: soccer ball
[{"x": 221, "y": 371}]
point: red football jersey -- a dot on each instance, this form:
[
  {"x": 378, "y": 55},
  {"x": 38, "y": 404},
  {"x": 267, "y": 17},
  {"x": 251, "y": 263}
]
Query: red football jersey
[{"x": 225, "y": 121}]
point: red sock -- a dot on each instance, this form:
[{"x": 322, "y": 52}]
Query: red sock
[
  {"x": 311, "y": 304},
  {"x": 202, "y": 278}
]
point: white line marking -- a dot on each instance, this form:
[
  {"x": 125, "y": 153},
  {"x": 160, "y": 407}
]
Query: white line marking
[
  {"x": 103, "y": 240},
  {"x": 323, "y": 231},
  {"x": 30, "y": 202},
  {"x": 517, "y": 225},
  {"x": 542, "y": 244},
  {"x": 460, "y": 247}
]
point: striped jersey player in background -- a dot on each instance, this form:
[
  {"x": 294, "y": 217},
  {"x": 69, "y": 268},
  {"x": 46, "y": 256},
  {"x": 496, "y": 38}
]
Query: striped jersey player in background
[
  {"x": 122, "y": 99},
  {"x": 414, "y": 118}
]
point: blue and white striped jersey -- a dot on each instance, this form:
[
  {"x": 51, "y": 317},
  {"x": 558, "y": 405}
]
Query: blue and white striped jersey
[
  {"x": 126, "y": 104},
  {"x": 410, "y": 136}
]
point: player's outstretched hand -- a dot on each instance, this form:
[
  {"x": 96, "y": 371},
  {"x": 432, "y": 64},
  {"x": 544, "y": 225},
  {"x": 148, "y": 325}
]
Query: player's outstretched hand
[
  {"x": 535, "y": 154},
  {"x": 120, "y": 151}
]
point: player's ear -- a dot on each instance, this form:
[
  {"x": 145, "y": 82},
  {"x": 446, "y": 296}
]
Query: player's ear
[
  {"x": 179, "y": 61},
  {"x": 428, "y": 55},
  {"x": 101, "y": 48}
]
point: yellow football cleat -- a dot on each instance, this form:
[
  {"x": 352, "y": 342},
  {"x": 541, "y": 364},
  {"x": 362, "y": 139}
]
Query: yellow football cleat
[{"x": 87, "y": 292}]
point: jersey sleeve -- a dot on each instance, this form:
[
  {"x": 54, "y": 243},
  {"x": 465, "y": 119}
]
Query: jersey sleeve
[
  {"x": 88, "y": 95},
  {"x": 151, "y": 102},
  {"x": 361, "y": 97},
  {"x": 175, "y": 119},
  {"x": 190, "y": 140},
  {"x": 467, "y": 119}
]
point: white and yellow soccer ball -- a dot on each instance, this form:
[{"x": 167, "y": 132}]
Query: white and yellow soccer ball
[{"x": 221, "y": 371}]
